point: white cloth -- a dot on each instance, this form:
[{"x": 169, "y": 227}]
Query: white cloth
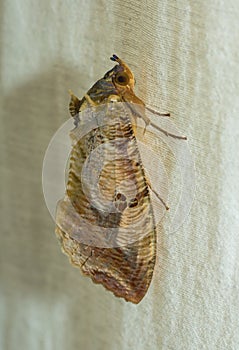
[{"x": 184, "y": 55}]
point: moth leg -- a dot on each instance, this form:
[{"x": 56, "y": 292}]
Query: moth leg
[
  {"x": 156, "y": 194},
  {"x": 157, "y": 113},
  {"x": 90, "y": 101},
  {"x": 165, "y": 132},
  {"x": 148, "y": 122},
  {"x": 74, "y": 107},
  {"x": 134, "y": 123}
]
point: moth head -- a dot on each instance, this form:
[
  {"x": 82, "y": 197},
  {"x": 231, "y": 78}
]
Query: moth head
[{"x": 121, "y": 75}]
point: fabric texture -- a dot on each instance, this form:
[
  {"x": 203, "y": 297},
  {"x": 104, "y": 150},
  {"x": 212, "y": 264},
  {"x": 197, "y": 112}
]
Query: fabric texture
[{"x": 184, "y": 55}]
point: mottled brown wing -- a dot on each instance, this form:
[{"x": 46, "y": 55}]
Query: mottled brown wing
[
  {"x": 125, "y": 271},
  {"x": 116, "y": 247}
]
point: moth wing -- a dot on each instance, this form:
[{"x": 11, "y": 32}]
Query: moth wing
[
  {"x": 126, "y": 271},
  {"x": 126, "y": 265}
]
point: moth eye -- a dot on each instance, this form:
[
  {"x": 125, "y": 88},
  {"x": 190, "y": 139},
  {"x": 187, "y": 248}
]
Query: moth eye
[{"x": 122, "y": 79}]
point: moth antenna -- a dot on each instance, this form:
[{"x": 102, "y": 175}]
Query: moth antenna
[{"x": 115, "y": 58}]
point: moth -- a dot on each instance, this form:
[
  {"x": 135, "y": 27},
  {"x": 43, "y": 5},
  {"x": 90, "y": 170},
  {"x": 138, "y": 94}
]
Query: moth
[{"x": 105, "y": 222}]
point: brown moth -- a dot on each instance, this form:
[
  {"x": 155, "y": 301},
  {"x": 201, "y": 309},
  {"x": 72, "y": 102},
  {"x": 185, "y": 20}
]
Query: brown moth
[{"x": 97, "y": 239}]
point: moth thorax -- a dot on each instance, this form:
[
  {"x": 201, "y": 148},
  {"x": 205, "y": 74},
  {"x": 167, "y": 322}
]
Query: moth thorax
[{"x": 114, "y": 98}]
